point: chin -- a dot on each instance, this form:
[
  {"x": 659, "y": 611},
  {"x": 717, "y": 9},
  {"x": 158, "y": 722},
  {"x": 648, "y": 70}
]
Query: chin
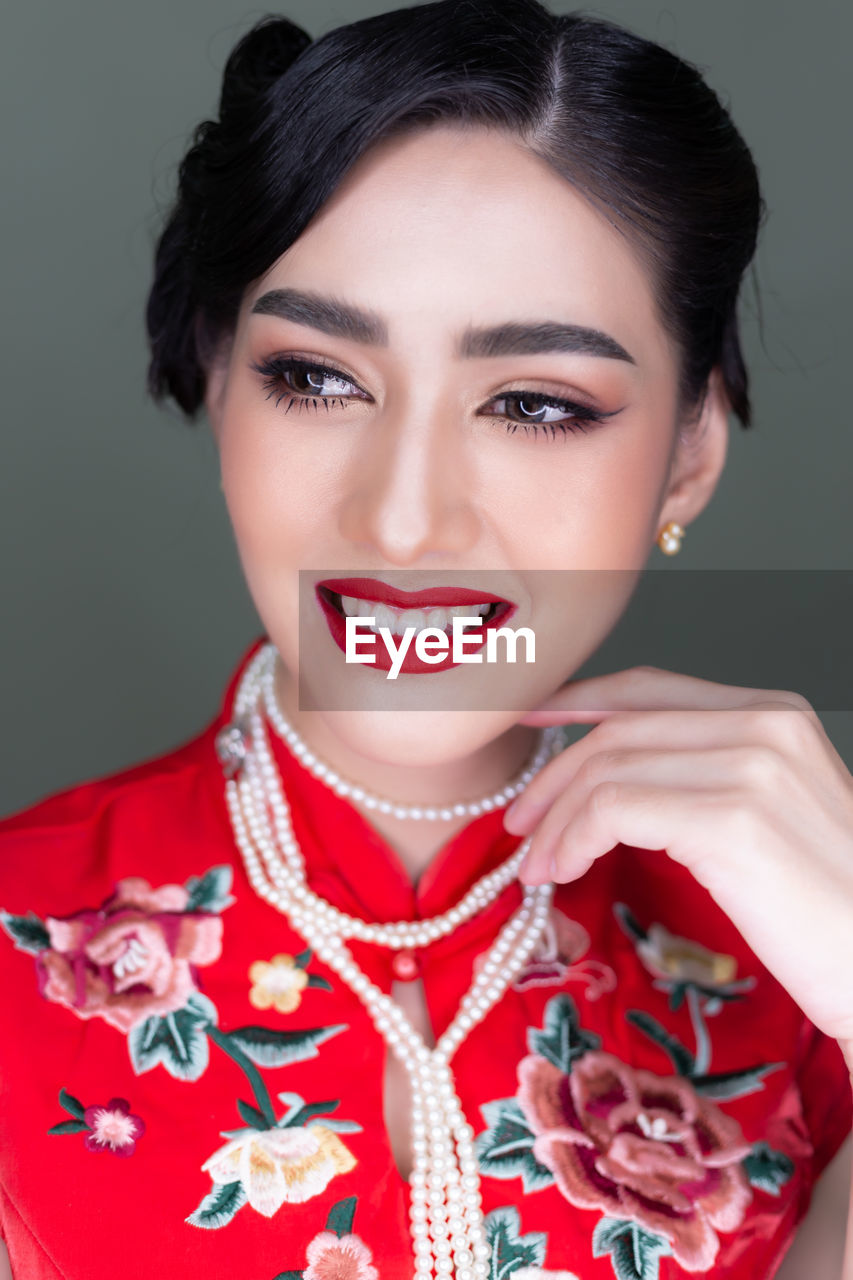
[{"x": 417, "y": 739}]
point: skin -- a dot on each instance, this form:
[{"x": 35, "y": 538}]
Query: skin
[{"x": 418, "y": 478}]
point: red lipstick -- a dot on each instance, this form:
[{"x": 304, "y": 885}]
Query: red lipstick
[
  {"x": 330, "y": 590},
  {"x": 433, "y": 597}
]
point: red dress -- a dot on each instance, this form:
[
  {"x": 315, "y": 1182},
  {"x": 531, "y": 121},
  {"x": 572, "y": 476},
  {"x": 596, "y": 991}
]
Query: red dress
[{"x": 187, "y": 1091}]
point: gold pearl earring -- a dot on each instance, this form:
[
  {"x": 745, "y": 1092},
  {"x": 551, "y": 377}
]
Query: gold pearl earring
[{"x": 669, "y": 538}]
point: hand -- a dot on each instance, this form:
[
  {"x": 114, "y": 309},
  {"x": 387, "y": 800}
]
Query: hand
[{"x": 742, "y": 786}]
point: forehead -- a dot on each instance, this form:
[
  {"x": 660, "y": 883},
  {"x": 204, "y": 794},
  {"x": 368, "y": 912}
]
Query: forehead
[{"x": 453, "y": 222}]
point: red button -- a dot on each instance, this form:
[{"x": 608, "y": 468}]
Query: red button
[{"x": 405, "y": 966}]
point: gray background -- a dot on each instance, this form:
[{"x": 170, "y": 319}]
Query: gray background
[{"x": 123, "y": 603}]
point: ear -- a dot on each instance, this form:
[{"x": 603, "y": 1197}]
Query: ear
[{"x": 698, "y": 457}]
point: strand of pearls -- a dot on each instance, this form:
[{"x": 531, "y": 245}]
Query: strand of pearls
[
  {"x": 549, "y": 739},
  {"x": 446, "y": 1218}
]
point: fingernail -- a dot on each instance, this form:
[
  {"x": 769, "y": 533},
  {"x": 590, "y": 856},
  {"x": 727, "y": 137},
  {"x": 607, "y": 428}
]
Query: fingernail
[{"x": 512, "y": 813}]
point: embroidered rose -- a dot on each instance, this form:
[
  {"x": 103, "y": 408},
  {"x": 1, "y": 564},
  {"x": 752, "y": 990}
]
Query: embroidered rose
[
  {"x": 640, "y": 1147},
  {"x": 133, "y": 957},
  {"x": 113, "y": 1128},
  {"x": 280, "y": 1165},
  {"x": 278, "y": 984},
  {"x": 333, "y": 1257},
  {"x": 668, "y": 956}
]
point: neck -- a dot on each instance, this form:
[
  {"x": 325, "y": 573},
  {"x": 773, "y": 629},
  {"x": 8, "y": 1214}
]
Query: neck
[{"x": 415, "y": 842}]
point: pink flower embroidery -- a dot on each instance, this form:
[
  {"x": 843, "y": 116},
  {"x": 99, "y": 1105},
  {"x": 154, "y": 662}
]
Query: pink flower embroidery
[
  {"x": 639, "y": 1146},
  {"x": 557, "y": 959},
  {"x": 132, "y": 958},
  {"x": 333, "y": 1257},
  {"x": 113, "y": 1128}
]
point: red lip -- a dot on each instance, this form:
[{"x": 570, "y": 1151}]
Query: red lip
[
  {"x": 370, "y": 589},
  {"x": 411, "y": 664}
]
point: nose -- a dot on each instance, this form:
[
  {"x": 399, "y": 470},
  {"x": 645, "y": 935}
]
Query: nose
[{"x": 410, "y": 493}]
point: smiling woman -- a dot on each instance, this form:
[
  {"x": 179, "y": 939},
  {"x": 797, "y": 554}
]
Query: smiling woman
[{"x": 608, "y": 1033}]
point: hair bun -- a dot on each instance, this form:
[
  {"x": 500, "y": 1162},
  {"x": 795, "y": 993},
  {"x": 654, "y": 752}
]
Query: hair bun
[{"x": 258, "y": 60}]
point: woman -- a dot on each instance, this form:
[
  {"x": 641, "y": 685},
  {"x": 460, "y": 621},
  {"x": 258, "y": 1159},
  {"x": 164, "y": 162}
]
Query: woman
[{"x": 306, "y": 1029}]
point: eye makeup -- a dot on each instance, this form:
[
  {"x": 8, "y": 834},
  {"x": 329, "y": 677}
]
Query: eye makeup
[{"x": 298, "y": 383}]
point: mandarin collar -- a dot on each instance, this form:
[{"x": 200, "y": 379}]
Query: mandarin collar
[{"x": 350, "y": 863}]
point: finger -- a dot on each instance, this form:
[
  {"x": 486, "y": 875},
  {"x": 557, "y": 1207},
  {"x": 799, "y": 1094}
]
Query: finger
[
  {"x": 645, "y": 688},
  {"x": 749, "y": 723},
  {"x": 682, "y": 824},
  {"x": 752, "y": 769}
]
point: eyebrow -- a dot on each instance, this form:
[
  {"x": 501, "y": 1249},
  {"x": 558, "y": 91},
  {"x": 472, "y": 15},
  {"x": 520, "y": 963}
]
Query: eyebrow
[{"x": 343, "y": 320}]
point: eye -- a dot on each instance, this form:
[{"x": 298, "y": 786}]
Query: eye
[
  {"x": 531, "y": 410},
  {"x": 306, "y": 383}
]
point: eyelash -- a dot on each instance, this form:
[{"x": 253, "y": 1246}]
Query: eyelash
[{"x": 274, "y": 371}]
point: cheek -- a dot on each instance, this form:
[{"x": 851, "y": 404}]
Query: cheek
[
  {"x": 272, "y": 476},
  {"x": 583, "y": 502}
]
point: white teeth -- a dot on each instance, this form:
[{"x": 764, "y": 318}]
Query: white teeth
[{"x": 398, "y": 620}]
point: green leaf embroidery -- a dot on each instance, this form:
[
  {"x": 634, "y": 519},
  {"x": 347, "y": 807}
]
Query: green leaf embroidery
[
  {"x": 562, "y": 1038},
  {"x": 734, "y": 1084},
  {"x": 510, "y": 1249},
  {"x": 70, "y": 1126},
  {"x": 299, "y": 1113},
  {"x": 69, "y": 1103},
  {"x": 634, "y": 1251},
  {"x": 251, "y": 1115},
  {"x": 677, "y": 993},
  {"x": 288, "y": 1275},
  {"x": 27, "y": 932},
  {"x": 178, "y": 1040},
  {"x": 210, "y": 891},
  {"x": 505, "y": 1148},
  {"x": 341, "y": 1216},
  {"x": 767, "y": 1168},
  {"x": 681, "y": 1057},
  {"x": 218, "y": 1208},
  {"x": 628, "y": 922},
  {"x": 300, "y": 1116},
  {"x": 272, "y": 1048},
  {"x": 314, "y": 980},
  {"x": 303, "y": 960},
  {"x": 341, "y": 1126}
]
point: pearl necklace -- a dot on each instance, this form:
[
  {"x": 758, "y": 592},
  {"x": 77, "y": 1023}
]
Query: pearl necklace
[
  {"x": 446, "y": 1218},
  {"x": 464, "y": 809}
]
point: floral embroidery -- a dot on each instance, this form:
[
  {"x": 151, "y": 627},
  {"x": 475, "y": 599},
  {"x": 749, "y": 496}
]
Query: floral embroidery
[
  {"x": 686, "y": 969},
  {"x": 638, "y": 1146},
  {"x": 336, "y": 1253},
  {"x": 274, "y": 1162},
  {"x": 278, "y": 1165},
  {"x": 280, "y": 982},
  {"x": 557, "y": 959},
  {"x": 110, "y": 1127},
  {"x": 333, "y": 1257},
  {"x": 655, "y": 1154},
  {"x": 134, "y": 957}
]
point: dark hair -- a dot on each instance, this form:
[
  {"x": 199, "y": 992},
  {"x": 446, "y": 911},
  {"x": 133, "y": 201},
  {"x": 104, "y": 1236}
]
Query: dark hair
[{"x": 632, "y": 126}]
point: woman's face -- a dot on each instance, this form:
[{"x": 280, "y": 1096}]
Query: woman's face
[{"x": 411, "y": 461}]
